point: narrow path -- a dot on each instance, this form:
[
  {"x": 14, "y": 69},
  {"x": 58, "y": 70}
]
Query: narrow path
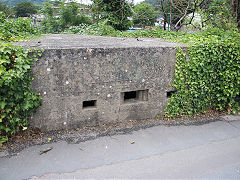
[
  {"x": 204, "y": 161},
  {"x": 193, "y": 152}
]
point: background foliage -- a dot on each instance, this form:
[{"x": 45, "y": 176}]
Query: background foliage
[
  {"x": 69, "y": 15},
  {"x": 115, "y": 11},
  {"x": 25, "y": 9},
  {"x": 144, "y": 15},
  {"x": 20, "y": 28},
  {"x": 12, "y": 3}
]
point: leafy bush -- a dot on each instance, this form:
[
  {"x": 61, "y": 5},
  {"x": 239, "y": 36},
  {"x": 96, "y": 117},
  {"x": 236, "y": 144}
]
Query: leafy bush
[
  {"x": 115, "y": 11},
  {"x": 49, "y": 23},
  {"x": 17, "y": 100},
  {"x": 100, "y": 29},
  {"x": 16, "y": 29},
  {"x": 69, "y": 15},
  {"x": 207, "y": 76}
]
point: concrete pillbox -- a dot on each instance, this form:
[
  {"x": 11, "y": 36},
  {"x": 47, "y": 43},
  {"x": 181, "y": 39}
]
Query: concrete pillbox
[{"x": 89, "y": 80}]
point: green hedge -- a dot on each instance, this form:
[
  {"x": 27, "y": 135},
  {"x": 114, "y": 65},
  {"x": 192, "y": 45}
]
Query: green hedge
[{"x": 207, "y": 76}]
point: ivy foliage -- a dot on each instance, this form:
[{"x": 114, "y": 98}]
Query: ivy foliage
[
  {"x": 17, "y": 101},
  {"x": 207, "y": 76}
]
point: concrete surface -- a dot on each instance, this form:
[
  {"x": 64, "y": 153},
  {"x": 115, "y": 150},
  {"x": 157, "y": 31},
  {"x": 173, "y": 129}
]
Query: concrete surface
[
  {"x": 72, "y": 41},
  {"x": 231, "y": 118},
  {"x": 210, "y": 151},
  {"x": 89, "y": 80}
]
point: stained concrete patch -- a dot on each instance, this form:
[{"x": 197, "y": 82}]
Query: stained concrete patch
[{"x": 3, "y": 153}]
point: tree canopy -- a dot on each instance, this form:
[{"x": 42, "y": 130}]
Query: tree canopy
[
  {"x": 25, "y": 9},
  {"x": 12, "y": 3},
  {"x": 4, "y": 8},
  {"x": 116, "y": 11},
  {"x": 144, "y": 15}
]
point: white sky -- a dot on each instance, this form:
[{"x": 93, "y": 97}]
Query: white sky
[{"x": 88, "y": 1}]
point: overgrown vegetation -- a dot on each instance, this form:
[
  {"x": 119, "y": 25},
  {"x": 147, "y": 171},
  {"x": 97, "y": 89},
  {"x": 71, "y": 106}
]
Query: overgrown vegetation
[
  {"x": 115, "y": 11},
  {"x": 207, "y": 74},
  {"x": 17, "y": 100},
  {"x": 69, "y": 15},
  {"x": 12, "y": 30}
]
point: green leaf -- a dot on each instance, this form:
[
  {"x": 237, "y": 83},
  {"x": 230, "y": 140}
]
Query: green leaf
[{"x": 2, "y": 104}]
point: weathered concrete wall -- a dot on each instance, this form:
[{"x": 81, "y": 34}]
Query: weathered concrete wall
[{"x": 113, "y": 80}]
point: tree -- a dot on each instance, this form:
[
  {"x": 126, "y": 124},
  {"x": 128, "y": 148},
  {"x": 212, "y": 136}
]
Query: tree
[
  {"x": 144, "y": 15},
  {"x": 218, "y": 13},
  {"x": 12, "y": 3},
  {"x": 49, "y": 24},
  {"x": 70, "y": 14},
  {"x": 180, "y": 10},
  {"x": 176, "y": 11},
  {"x": 116, "y": 11},
  {"x": 235, "y": 5},
  {"x": 25, "y": 9},
  {"x": 4, "y": 8}
]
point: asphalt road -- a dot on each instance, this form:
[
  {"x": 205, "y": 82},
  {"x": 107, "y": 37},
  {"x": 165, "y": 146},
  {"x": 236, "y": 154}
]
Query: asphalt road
[{"x": 210, "y": 151}]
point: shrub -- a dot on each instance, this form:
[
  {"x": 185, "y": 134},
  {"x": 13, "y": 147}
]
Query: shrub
[
  {"x": 17, "y": 101},
  {"x": 207, "y": 76},
  {"x": 100, "y": 29},
  {"x": 69, "y": 15},
  {"x": 16, "y": 29},
  {"x": 116, "y": 12}
]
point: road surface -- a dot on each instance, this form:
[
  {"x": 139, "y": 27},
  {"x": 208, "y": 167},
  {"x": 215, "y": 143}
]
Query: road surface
[{"x": 209, "y": 151}]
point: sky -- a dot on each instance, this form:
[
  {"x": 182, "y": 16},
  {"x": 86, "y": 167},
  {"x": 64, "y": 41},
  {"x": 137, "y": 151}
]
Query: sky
[{"x": 88, "y": 1}]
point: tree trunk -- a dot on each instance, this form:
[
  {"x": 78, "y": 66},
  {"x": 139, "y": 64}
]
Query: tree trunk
[
  {"x": 238, "y": 14},
  {"x": 165, "y": 22},
  {"x": 236, "y": 11}
]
